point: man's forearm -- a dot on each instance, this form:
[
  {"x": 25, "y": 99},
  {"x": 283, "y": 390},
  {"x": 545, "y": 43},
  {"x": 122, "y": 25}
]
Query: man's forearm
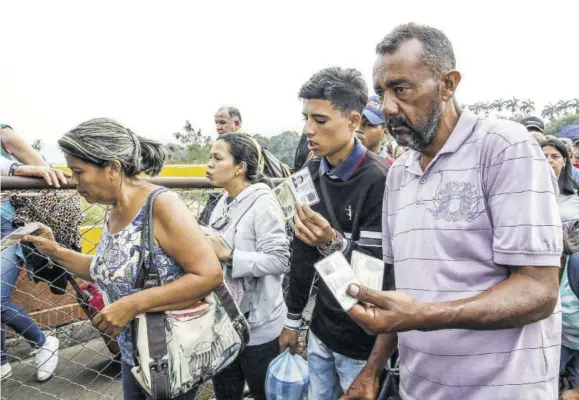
[
  {"x": 530, "y": 294},
  {"x": 383, "y": 348}
]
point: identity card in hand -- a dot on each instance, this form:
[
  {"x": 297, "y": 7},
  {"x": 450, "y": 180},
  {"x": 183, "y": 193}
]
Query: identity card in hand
[
  {"x": 337, "y": 275},
  {"x": 286, "y": 199},
  {"x": 369, "y": 270},
  {"x": 298, "y": 188},
  {"x": 304, "y": 187},
  {"x": 17, "y": 235}
]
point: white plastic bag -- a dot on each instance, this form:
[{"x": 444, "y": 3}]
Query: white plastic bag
[{"x": 287, "y": 377}]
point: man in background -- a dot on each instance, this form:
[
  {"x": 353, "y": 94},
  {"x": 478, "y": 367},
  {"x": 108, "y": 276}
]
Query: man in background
[
  {"x": 535, "y": 126},
  {"x": 228, "y": 120},
  {"x": 372, "y": 129}
]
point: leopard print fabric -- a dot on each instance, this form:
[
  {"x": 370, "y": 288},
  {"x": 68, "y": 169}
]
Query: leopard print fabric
[{"x": 59, "y": 210}]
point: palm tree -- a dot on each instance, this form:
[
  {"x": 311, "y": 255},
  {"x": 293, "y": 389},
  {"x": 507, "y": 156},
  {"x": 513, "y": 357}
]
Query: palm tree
[
  {"x": 548, "y": 111},
  {"x": 512, "y": 104},
  {"x": 486, "y": 107},
  {"x": 498, "y": 105},
  {"x": 527, "y": 106},
  {"x": 475, "y": 108},
  {"x": 560, "y": 108}
]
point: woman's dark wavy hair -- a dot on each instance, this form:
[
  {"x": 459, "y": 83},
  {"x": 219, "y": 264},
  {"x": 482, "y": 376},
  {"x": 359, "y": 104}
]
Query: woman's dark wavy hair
[
  {"x": 566, "y": 183},
  {"x": 245, "y": 149}
]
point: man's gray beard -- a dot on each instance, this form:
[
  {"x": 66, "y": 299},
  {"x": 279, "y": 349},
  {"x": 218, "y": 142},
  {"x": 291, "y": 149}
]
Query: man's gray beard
[{"x": 418, "y": 141}]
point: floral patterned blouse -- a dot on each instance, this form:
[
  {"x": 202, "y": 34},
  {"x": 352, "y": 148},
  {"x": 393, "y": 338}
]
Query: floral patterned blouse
[{"x": 114, "y": 269}]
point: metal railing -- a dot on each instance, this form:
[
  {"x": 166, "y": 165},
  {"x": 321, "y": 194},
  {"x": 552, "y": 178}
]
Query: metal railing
[{"x": 87, "y": 369}]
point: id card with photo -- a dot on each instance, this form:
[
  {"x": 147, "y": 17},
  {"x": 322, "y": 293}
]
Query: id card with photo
[
  {"x": 286, "y": 198},
  {"x": 337, "y": 274},
  {"x": 304, "y": 188},
  {"x": 369, "y": 270}
]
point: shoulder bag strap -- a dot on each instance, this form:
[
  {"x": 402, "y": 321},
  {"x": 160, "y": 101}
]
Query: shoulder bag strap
[
  {"x": 148, "y": 275},
  {"x": 329, "y": 207},
  {"x": 155, "y": 325}
]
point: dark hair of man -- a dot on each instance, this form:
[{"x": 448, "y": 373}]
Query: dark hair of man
[
  {"x": 438, "y": 53},
  {"x": 345, "y": 89},
  {"x": 566, "y": 183}
]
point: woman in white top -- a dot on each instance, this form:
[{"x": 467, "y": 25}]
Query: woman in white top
[
  {"x": 248, "y": 236},
  {"x": 556, "y": 153}
]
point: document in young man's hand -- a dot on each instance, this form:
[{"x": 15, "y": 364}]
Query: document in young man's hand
[
  {"x": 304, "y": 187},
  {"x": 17, "y": 235},
  {"x": 298, "y": 188},
  {"x": 337, "y": 275},
  {"x": 369, "y": 270}
]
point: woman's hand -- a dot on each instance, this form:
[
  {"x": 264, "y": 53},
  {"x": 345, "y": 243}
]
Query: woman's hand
[
  {"x": 115, "y": 317},
  {"x": 220, "y": 250},
  {"x": 43, "y": 240},
  {"x": 52, "y": 176}
]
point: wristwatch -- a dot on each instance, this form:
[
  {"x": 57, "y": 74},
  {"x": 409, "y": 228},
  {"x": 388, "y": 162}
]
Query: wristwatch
[
  {"x": 13, "y": 168},
  {"x": 333, "y": 246}
]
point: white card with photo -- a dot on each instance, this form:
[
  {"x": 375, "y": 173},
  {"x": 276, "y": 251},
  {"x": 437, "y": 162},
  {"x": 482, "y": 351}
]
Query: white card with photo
[
  {"x": 304, "y": 188},
  {"x": 369, "y": 270},
  {"x": 337, "y": 274},
  {"x": 286, "y": 198}
]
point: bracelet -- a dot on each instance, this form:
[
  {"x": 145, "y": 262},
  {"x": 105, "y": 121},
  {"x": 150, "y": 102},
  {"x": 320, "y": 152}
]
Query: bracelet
[
  {"x": 335, "y": 245},
  {"x": 13, "y": 168}
]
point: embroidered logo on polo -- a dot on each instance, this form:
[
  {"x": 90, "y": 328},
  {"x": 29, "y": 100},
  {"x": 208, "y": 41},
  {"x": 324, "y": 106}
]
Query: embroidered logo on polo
[{"x": 456, "y": 201}]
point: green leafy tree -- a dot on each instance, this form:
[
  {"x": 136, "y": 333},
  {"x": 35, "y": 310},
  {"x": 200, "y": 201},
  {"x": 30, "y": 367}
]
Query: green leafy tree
[
  {"x": 553, "y": 127},
  {"x": 284, "y": 145},
  {"x": 262, "y": 140},
  {"x": 193, "y": 146}
]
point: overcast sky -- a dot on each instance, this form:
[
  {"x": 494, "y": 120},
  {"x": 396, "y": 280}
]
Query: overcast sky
[{"x": 153, "y": 65}]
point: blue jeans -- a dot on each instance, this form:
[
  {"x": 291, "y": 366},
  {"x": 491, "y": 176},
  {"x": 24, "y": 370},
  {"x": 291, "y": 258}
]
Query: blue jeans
[
  {"x": 132, "y": 390},
  {"x": 12, "y": 315},
  {"x": 571, "y": 366},
  {"x": 331, "y": 374}
]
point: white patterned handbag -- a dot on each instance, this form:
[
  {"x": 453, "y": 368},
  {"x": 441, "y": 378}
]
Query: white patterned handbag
[{"x": 177, "y": 350}]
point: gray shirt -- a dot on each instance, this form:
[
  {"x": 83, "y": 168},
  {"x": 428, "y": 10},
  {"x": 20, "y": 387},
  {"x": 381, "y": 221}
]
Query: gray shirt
[{"x": 487, "y": 201}]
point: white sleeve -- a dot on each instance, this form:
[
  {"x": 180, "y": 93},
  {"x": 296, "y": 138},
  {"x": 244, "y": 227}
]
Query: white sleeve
[{"x": 5, "y": 165}]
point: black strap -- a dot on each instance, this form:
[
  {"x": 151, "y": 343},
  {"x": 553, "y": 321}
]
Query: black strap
[
  {"x": 148, "y": 277},
  {"x": 329, "y": 207},
  {"x": 148, "y": 274}
]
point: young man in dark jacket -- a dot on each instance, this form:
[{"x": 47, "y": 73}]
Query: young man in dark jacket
[{"x": 350, "y": 182}]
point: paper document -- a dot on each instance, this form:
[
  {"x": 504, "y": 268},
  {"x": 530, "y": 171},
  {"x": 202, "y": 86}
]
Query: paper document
[
  {"x": 338, "y": 275},
  {"x": 17, "y": 235},
  {"x": 369, "y": 270},
  {"x": 298, "y": 188}
]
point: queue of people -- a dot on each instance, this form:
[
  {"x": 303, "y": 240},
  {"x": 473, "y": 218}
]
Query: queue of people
[{"x": 470, "y": 296}]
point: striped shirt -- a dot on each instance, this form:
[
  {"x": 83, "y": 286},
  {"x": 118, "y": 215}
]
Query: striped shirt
[
  {"x": 487, "y": 201},
  {"x": 570, "y": 309}
]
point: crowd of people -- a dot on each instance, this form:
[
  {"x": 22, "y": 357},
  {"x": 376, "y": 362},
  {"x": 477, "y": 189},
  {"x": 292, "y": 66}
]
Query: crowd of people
[{"x": 475, "y": 219}]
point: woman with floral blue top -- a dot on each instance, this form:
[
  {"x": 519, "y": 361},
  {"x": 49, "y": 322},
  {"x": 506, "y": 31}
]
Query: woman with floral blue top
[{"x": 106, "y": 159}]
